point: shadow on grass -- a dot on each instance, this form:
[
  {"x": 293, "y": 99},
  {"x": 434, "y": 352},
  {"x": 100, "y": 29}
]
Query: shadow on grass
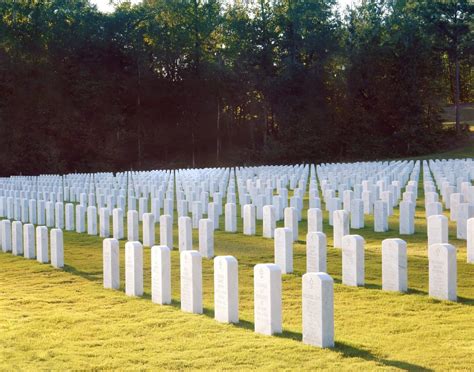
[
  {"x": 349, "y": 351},
  {"x": 410, "y": 291},
  {"x": 94, "y": 276},
  {"x": 466, "y": 301},
  {"x": 346, "y": 350}
]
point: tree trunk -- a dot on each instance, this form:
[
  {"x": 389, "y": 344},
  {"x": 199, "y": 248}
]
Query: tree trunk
[
  {"x": 456, "y": 81},
  {"x": 197, "y": 40},
  {"x": 218, "y": 127},
  {"x": 456, "y": 97},
  {"x": 265, "y": 131},
  {"x": 193, "y": 141},
  {"x": 139, "y": 102}
]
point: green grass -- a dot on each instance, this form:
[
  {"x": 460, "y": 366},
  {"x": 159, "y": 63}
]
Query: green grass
[
  {"x": 459, "y": 153},
  {"x": 466, "y": 111},
  {"x": 56, "y": 319}
]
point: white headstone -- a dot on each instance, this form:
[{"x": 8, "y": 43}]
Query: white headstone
[
  {"x": 117, "y": 223},
  {"x": 132, "y": 226},
  {"x": 437, "y": 229},
  {"x": 226, "y": 289},
  {"x": 50, "y": 214},
  {"x": 291, "y": 221},
  {"x": 442, "y": 271},
  {"x": 185, "y": 233},
  {"x": 249, "y": 219},
  {"x": 57, "y": 248},
  {"x": 454, "y": 200},
  {"x": 357, "y": 214},
  {"x": 278, "y": 204},
  {"x": 29, "y": 240},
  {"x": 104, "y": 223},
  {"x": 470, "y": 240},
  {"x": 230, "y": 217},
  {"x": 148, "y": 229},
  {"x": 316, "y": 252},
  {"x": 155, "y": 208},
  {"x": 283, "y": 246},
  {"x": 333, "y": 204},
  {"x": 111, "y": 263},
  {"x": 133, "y": 268},
  {"x": 161, "y": 274},
  {"x": 206, "y": 238},
  {"x": 433, "y": 209},
  {"x": 142, "y": 208},
  {"x": 80, "y": 219},
  {"x": 196, "y": 213},
  {"x": 347, "y": 197},
  {"x": 166, "y": 231},
  {"x": 182, "y": 208},
  {"x": 17, "y": 238},
  {"x": 341, "y": 226},
  {"x": 318, "y": 309},
  {"x": 394, "y": 265},
  {"x": 92, "y": 220},
  {"x": 59, "y": 215},
  {"x": 213, "y": 214},
  {"x": 465, "y": 211},
  {"x": 269, "y": 221},
  {"x": 353, "y": 260},
  {"x": 315, "y": 220},
  {"x": 387, "y": 197},
  {"x": 380, "y": 216},
  {"x": 368, "y": 202},
  {"x": 32, "y": 212},
  {"x": 168, "y": 208},
  {"x": 407, "y": 218},
  {"x": 6, "y": 235},
  {"x": 41, "y": 244},
  {"x": 191, "y": 281},
  {"x": 69, "y": 217},
  {"x": 267, "y": 299}
]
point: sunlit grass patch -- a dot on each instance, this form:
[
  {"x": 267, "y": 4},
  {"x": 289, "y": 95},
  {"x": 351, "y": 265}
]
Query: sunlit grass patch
[{"x": 56, "y": 319}]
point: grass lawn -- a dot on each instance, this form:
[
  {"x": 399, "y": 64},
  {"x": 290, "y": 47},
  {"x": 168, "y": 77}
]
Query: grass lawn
[
  {"x": 462, "y": 152},
  {"x": 466, "y": 111},
  {"x": 459, "y": 153},
  {"x": 57, "y": 319}
]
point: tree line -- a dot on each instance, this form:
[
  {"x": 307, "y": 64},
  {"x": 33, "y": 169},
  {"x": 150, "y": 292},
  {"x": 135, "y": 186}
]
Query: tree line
[{"x": 209, "y": 83}]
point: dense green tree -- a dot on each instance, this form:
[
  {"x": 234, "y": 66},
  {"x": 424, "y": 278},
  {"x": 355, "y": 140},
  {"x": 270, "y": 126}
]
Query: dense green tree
[
  {"x": 451, "y": 24},
  {"x": 212, "y": 82},
  {"x": 392, "y": 86}
]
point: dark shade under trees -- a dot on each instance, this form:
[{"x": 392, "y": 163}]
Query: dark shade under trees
[{"x": 200, "y": 83}]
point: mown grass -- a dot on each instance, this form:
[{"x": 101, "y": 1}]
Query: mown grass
[
  {"x": 466, "y": 111},
  {"x": 459, "y": 153},
  {"x": 56, "y": 319}
]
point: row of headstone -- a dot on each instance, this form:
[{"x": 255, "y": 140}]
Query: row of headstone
[
  {"x": 21, "y": 240},
  {"x": 254, "y": 185},
  {"x": 377, "y": 195},
  {"x": 453, "y": 181},
  {"x": 441, "y": 256},
  {"x": 318, "y": 293}
]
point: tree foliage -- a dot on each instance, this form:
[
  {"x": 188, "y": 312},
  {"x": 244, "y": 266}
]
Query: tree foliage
[{"x": 212, "y": 82}]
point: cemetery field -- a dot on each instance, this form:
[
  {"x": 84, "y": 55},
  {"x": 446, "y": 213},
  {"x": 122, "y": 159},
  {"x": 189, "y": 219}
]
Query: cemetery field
[
  {"x": 236, "y": 185},
  {"x": 466, "y": 114},
  {"x": 56, "y": 319},
  {"x": 459, "y": 153}
]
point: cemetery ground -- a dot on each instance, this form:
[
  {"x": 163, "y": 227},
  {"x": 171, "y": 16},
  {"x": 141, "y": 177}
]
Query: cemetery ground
[
  {"x": 466, "y": 114},
  {"x": 461, "y": 152},
  {"x": 56, "y": 319}
]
